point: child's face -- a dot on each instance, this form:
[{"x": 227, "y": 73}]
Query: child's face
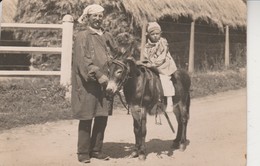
[{"x": 154, "y": 36}]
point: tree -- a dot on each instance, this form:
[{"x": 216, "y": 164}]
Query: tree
[
  {"x": 52, "y": 12},
  {"x": 118, "y": 22}
]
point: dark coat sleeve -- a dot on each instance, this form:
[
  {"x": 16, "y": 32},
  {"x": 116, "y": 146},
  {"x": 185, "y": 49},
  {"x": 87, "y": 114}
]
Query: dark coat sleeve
[{"x": 83, "y": 59}]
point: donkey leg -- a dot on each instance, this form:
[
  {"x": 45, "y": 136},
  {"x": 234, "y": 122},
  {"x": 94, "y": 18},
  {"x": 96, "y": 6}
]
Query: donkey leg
[
  {"x": 137, "y": 129},
  {"x": 142, "y": 151},
  {"x": 140, "y": 134},
  {"x": 176, "y": 142},
  {"x": 184, "y": 120}
]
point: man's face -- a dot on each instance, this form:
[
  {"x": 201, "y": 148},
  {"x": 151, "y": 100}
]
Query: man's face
[{"x": 95, "y": 20}]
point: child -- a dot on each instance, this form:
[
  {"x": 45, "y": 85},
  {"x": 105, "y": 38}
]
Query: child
[{"x": 157, "y": 54}]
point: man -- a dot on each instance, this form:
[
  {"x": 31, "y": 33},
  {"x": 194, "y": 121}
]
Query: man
[{"x": 89, "y": 103}]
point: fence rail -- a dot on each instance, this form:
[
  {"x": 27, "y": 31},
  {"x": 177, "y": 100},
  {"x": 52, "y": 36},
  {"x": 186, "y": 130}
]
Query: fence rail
[
  {"x": 65, "y": 50},
  {"x": 29, "y": 73},
  {"x": 9, "y": 49},
  {"x": 31, "y": 26}
]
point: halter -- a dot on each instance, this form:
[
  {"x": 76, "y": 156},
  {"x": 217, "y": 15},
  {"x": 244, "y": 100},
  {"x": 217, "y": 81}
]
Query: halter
[{"x": 125, "y": 68}]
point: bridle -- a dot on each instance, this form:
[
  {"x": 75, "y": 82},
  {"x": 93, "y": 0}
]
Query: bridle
[
  {"x": 119, "y": 85},
  {"x": 125, "y": 73}
]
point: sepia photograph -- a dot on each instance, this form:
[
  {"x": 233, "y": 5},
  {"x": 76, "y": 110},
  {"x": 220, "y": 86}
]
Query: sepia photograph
[{"x": 124, "y": 82}]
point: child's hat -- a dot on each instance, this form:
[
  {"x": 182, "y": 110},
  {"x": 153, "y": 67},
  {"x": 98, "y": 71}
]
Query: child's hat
[{"x": 153, "y": 26}]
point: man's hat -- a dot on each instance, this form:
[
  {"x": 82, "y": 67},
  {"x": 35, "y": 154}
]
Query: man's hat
[{"x": 90, "y": 9}]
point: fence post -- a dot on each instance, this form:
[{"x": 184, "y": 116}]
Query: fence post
[
  {"x": 227, "y": 47},
  {"x": 1, "y": 17},
  {"x": 191, "y": 51},
  {"x": 66, "y": 53}
]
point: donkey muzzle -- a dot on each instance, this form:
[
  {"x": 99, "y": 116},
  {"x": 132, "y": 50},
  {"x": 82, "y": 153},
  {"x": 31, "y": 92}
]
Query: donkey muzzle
[{"x": 111, "y": 88}]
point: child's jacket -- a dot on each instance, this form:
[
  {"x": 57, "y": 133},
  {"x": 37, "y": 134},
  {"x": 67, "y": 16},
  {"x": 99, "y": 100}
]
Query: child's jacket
[{"x": 158, "y": 55}]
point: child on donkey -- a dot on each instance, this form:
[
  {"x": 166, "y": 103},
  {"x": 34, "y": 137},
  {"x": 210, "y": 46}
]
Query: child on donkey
[{"x": 157, "y": 54}]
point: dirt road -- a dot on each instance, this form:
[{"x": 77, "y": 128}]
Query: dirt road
[{"x": 216, "y": 131}]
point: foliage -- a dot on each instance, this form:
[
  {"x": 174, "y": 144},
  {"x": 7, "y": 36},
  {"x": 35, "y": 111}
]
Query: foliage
[
  {"x": 53, "y": 11},
  {"x": 33, "y": 101},
  {"x": 209, "y": 83}
]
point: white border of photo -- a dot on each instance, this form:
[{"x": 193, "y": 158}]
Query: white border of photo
[{"x": 253, "y": 86}]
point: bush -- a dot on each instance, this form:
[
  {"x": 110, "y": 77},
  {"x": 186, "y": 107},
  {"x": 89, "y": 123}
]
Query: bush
[
  {"x": 31, "y": 102},
  {"x": 203, "y": 84}
]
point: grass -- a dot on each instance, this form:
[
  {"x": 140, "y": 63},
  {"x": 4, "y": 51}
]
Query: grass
[
  {"x": 33, "y": 101},
  {"x": 209, "y": 83},
  {"x": 41, "y": 100}
]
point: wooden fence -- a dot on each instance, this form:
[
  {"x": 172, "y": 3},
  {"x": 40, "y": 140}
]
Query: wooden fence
[{"x": 65, "y": 50}]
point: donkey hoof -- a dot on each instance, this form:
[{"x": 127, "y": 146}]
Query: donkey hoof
[
  {"x": 182, "y": 147},
  {"x": 175, "y": 145},
  {"x": 134, "y": 154},
  {"x": 142, "y": 157}
]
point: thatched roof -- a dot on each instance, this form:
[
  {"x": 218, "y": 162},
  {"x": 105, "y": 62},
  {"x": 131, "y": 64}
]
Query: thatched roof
[
  {"x": 219, "y": 12},
  {"x": 8, "y": 10}
]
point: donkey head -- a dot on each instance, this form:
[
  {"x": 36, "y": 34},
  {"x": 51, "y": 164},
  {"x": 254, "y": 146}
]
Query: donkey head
[
  {"x": 119, "y": 68},
  {"x": 118, "y": 73}
]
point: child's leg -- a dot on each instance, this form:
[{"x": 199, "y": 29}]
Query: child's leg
[
  {"x": 167, "y": 85},
  {"x": 168, "y": 90},
  {"x": 169, "y": 107},
  {"x": 169, "y": 100}
]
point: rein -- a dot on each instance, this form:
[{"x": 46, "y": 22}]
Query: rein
[
  {"x": 124, "y": 104},
  {"x": 120, "y": 84}
]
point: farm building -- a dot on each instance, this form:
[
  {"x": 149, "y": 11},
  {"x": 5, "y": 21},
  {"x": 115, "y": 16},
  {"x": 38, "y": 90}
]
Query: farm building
[
  {"x": 207, "y": 24},
  {"x": 202, "y": 34}
]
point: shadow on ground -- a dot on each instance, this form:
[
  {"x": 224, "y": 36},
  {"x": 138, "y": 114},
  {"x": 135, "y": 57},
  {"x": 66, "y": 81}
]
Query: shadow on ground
[{"x": 123, "y": 150}]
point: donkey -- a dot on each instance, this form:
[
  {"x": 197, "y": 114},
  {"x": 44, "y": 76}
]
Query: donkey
[{"x": 143, "y": 93}]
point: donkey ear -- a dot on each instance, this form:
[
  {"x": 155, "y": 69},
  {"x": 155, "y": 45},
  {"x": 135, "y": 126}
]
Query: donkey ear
[{"x": 130, "y": 61}]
